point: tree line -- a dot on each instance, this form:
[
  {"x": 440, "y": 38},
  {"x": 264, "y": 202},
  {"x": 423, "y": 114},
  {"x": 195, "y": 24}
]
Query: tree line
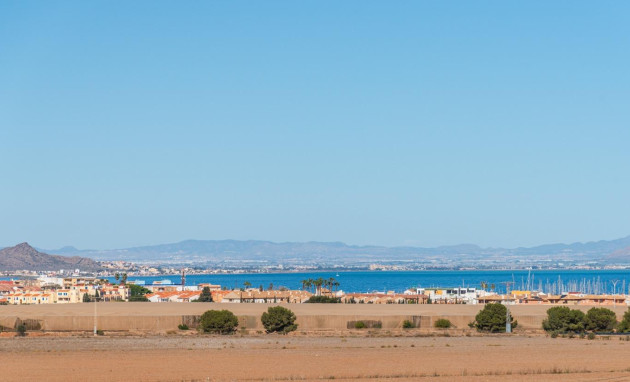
[
  {"x": 562, "y": 320},
  {"x": 276, "y": 319},
  {"x": 318, "y": 284}
]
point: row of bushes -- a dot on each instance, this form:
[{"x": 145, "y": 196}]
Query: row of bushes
[
  {"x": 492, "y": 318},
  {"x": 442, "y": 323},
  {"x": 368, "y": 324},
  {"x": 275, "y": 319},
  {"x": 561, "y": 319},
  {"x": 323, "y": 300}
]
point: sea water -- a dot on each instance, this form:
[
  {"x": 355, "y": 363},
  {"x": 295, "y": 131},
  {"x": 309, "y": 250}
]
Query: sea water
[{"x": 554, "y": 281}]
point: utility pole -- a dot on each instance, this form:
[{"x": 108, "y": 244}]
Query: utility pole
[
  {"x": 614, "y": 283},
  {"x": 508, "y": 322},
  {"x": 95, "y": 300}
]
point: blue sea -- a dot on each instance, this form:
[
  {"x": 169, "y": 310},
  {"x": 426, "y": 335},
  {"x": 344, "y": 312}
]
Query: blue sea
[{"x": 556, "y": 281}]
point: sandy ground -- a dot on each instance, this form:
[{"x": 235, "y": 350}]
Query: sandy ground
[{"x": 281, "y": 358}]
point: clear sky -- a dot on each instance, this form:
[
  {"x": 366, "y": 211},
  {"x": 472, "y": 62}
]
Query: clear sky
[{"x": 370, "y": 122}]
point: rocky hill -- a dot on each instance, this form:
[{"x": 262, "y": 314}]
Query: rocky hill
[{"x": 25, "y": 257}]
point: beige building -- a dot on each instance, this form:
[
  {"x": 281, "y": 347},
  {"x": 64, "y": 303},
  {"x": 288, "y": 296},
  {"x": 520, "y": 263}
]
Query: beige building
[
  {"x": 269, "y": 296},
  {"x": 68, "y": 296},
  {"x": 31, "y": 297},
  {"x": 114, "y": 293},
  {"x": 72, "y": 295}
]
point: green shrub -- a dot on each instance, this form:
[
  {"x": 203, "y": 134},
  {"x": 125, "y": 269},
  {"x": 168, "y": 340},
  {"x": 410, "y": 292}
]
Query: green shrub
[
  {"x": 408, "y": 325},
  {"x": 601, "y": 320},
  {"x": 492, "y": 319},
  {"x": 205, "y": 296},
  {"x": 137, "y": 290},
  {"x": 279, "y": 319},
  {"x": 100, "y": 332},
  {"x": 442, "y": 323},
  {"x": 564, "y": 320},
  {"x": 138, "y": 299},
  {"x": 323, "y": 300},
  {"x": 591, "y": 336},
  {"x": 182, "y": 327},
  {"x": 359, "y": 325},
  {"x": 218, "y": 321},
  {"x": 624, "y": 325},
  {"x": 554, "y": 334},
  {"x": 21, "y": 330}
]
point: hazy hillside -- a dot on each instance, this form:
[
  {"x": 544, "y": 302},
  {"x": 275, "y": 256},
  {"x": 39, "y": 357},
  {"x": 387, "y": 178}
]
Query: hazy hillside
[
  {"x": 265, "y": 251},
  {"x": 599, "y": 248},
  {"x": 25, "y": 257}
]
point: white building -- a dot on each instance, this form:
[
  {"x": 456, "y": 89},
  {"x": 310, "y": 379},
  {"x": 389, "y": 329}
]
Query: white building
[{"x": 450, "y": 295}]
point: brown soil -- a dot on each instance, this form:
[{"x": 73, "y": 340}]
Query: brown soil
[{"x": 278, "y": 358}]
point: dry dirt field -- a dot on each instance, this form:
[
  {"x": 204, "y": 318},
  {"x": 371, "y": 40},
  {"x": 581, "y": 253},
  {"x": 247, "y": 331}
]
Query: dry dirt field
[
  {"x": 284, "y": 358},
  {"x": 323, "y": 349}
]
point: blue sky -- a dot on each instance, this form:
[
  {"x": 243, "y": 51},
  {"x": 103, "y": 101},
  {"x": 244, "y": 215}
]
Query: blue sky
[{"x": 393, "y": 123}]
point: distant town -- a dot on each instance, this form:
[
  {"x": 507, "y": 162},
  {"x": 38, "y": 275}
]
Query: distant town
[
  {"x": 39, "y": 278},
  {"x": 79, "y": 289},
  {"x": 132, "y": 269}
]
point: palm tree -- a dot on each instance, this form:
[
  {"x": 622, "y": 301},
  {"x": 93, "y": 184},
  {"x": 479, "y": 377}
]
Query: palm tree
[
  {"x": 117, "y": 276},
  {"x": 124, "y": 278},
  {"x": 318, "y": 286},
  {"x": 308, "y": 283},
  {"x": 247, "y": 284},
  {"x": 331, "y": 284}
]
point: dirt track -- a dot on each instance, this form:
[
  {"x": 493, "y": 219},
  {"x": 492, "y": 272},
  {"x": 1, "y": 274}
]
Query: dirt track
[{"x": 271, "y": 357}]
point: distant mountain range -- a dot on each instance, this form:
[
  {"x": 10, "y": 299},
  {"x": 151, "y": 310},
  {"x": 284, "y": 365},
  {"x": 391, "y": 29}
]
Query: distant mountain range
[
  {"x": 217, "y": 251},
  {"x": 25, "y": 257}
]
